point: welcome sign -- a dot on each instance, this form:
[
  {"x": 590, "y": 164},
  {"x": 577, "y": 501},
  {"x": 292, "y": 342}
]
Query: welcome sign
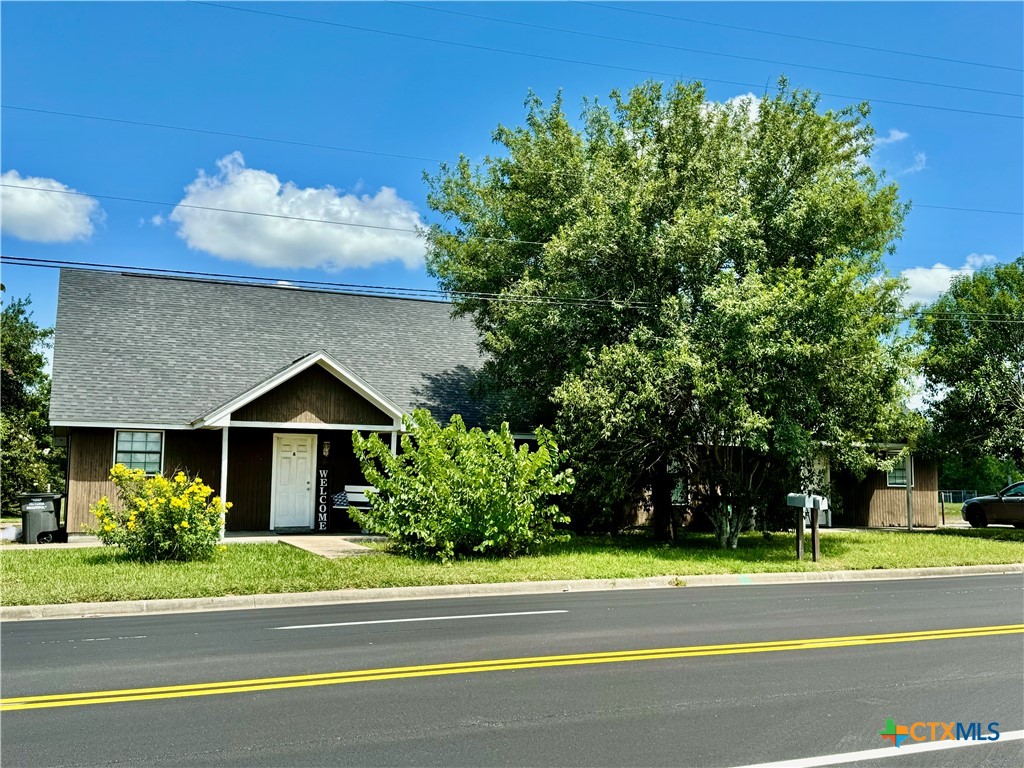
[{"x": 323, "y": 501}]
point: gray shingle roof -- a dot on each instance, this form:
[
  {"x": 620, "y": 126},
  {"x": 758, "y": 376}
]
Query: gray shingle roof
[{"x": 136, "y": 349}]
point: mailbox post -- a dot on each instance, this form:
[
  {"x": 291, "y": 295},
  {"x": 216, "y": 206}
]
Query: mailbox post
[{"x": 816, "y": 505}]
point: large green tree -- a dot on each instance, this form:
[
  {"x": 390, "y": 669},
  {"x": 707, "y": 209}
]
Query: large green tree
[
  {"x": 974, "y": 364},
  {"x": 673, "y": 276},
  {"x": 774, "y": 374},
  {"x": 980, "y": 474},
  {"x": 28, "y": 460}
]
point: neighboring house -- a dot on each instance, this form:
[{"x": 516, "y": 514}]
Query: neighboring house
[
  {"x": 256, "y": 388},
  {"x": 880, "y": 499}
]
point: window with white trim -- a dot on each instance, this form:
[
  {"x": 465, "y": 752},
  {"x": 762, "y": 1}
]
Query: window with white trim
[
  {"x": 897, "y": 478},
  {"x": 139, "y": 450}
]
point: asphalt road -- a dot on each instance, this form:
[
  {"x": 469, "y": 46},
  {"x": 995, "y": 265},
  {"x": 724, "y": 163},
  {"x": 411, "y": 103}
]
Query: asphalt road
[{"x": 695, "y": 705}]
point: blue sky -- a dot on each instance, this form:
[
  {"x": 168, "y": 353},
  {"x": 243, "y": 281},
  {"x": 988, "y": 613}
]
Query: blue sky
[{"x": 217, "y": 69}]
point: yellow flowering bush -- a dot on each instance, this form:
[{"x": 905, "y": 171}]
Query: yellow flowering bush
[{"x": 159, "y": 518}]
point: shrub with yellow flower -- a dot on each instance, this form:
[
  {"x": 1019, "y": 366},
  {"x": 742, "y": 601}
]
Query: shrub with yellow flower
[{"x": 160, "y": 518}]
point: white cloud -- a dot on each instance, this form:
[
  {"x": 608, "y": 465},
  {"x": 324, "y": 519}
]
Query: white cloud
[
  {"x": 920, "y": 163},
  {"x": 917, "y": 399},
  {"x": 285, "y": 242},
  {"x": 750, "y": 101},
  {"x": 927, "y": 283},
  {"x": 895, "y": 136},
  {"x": 979, "y": 260},
  {"x": 45, "y": 217}
]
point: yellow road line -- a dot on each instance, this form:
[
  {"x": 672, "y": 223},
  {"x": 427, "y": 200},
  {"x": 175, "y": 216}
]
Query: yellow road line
[{"x": 489, "y": 665}]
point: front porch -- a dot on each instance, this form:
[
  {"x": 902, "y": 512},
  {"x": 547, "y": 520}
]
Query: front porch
[
  {"x": 292, "y": 479},
  {"x": 280, "y": 452}
]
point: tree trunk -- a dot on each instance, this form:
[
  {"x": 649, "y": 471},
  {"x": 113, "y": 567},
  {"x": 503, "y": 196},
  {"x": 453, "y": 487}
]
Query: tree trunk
[
  {"x": 722, "y": 524},
  {"x": 730, "y": 516},
  {"x": 738, "y": 513},
  {"x": 661, "y": 503}
]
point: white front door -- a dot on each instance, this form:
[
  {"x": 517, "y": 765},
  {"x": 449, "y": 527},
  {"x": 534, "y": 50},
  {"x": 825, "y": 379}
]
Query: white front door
[{"x": 294, "y": 462}]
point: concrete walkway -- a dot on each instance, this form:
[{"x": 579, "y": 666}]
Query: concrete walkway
[{"x": 331, "y": 546}]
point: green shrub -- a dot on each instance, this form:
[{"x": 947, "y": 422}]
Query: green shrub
[
  {"x": 159, "y": 518},
  {"x": 454, "y": 492}
]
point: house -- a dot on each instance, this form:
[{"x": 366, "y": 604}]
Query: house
[
  {"x": 879, "y": 499},
  {"x": 256, "y": 388}
]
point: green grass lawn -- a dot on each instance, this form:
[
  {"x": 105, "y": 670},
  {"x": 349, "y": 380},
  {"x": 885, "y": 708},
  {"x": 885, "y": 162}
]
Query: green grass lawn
[{"x": 33, "y": 577}]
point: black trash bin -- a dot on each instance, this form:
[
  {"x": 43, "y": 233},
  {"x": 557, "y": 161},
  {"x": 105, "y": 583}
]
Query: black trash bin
[{"x": 41, "y": 521}]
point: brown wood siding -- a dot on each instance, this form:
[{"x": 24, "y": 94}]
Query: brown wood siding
[
  {"x": 196, "y": 453},
  {"x": 90, "y": 456},
  {"x": 887, "y": 507},
  {"x": 250, "y": 463},
  {"x": 313, "y": 396},
  {"x": 250, "y": 468},
  {"x": 871, "y": 502}
]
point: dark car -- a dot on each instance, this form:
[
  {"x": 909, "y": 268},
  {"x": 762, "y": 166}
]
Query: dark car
[{"x": 1007, "y": 506}]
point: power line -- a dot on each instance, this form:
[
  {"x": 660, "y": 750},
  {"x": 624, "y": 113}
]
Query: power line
[
  {"x": 229, "y": 134},
  {"x": 29, "y": 261},
  {"x": 278, "y": 282},
  {"x": 958, "y": 312},
  {"x": 209, "y": 208},
  {"x": 944, "y": 268},
  {"x": 26, "y": 261},
  {"x": 247, "y": 137},
  {"x": 190, "y": 129},
  {"x": 258, "y": 213},
  {"x": 970, "y": 210},
  {"x": 474, "y": 46},
  {"x": 975, "y": 320},
  {"x": 513, "y": 241},
  {"x": 802, "y": 37},
  {"x": 400, "y": 292},
  {"x": 563, "y": 30}
]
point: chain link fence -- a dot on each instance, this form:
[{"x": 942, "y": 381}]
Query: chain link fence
[{"x": 956, "y": 497}]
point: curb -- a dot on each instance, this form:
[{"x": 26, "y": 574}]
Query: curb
[{"x": 340, "y": 596}]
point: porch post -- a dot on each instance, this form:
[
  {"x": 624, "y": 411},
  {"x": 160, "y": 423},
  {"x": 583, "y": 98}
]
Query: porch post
[
  {"x": 909, "y": 470},
  {"x": 223, "y": 475},
  {"x": 394, "y": 443}
]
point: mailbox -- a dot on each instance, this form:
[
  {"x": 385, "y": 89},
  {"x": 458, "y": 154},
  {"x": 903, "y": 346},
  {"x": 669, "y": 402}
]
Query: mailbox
[
  {"x": 814, "y": 511},
  {"x": 809, "y": 502}
]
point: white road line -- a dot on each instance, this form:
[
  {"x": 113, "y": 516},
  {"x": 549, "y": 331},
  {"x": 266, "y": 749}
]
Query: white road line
[
  {"x": 878, "y": 754},
  {"x": 89, "y": 640},
  {"x": 421, "y": 618}
]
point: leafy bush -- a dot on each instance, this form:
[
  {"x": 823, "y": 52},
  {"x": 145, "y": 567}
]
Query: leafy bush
[
  {"x": 453, "y": 492},
  {"x": 159, "y": 518}
]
